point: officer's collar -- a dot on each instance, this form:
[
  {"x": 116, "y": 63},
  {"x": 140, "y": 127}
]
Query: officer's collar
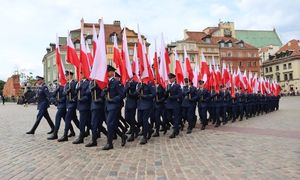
[{"x": 111, "y": 78}]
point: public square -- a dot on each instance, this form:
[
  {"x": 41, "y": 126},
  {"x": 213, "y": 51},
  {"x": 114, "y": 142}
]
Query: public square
[{"x": 263, "y": 147}]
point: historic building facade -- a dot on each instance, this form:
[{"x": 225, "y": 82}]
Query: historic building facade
[{"x": 284, "y": 66}]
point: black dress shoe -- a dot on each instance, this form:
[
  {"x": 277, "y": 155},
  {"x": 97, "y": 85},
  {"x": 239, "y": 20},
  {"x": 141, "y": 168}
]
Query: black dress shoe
[
  {"x": 150, "y": 133},
  {"x": 124, "y": 138},
  {"x": 52, "y": 137},
  {"x": 87, "y": 133},
  {"x": 131, "y": 138},
  {"x": 50, "y": 132},
  {"x": 72, "y": 134},
  {"x": 165, "y": 130},
  {"x": 63, "y": 138},
  {"x": 189, "y": 131},
  {"x": 91, "y": 144},
  {"x": 233, "y": 121},
  {"x": 156, "y": 134},
  {"x": 30, "y": 132},
  {"x": 224, "y": 122},
  {"x": 203, "y": 128},
  {"x": 78, "y": 141},
  {"x": 217, "y": 125},
  {"x": 172, "y": 135},
  {"x": 143, "y": 141},
  {"x": 107, "y": 147}
]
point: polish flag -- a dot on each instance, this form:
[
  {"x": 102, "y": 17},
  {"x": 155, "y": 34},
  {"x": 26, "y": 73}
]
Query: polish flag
[
  {"x": 120, "y": 64},
  {"x": 125, "y": 56},
  {"x": 84, "y": 60},
  {"x": 156, "y": 68},
  {"x": 135, "y": 65},
  {"x": 225, "y": 74},
  {"x": 72, "y": 56},
  {"x": 188, "y": 71},
  {"x": 90, "y": 56},
  {"x": 232, "y": 82},
  {"x": 95, "y": 40},
  {"x": 60, "y": 65},
  {"x": 163, "y": 65},
  {"x": 250, "y": 87},
  {"x": 245, "y": 81},
  {"x": 196, "y": 73},
  {"x": 149, "y": 68},
  {"x": 100, "y": 62},
  {"x": 168, "y": 61},
  {"x": 142, "y": 58},
  {"x": 178, "y": 69},
  {"x": 204, "y": 68}
]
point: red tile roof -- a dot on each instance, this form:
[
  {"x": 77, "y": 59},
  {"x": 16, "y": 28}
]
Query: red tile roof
[{"x": 292, "y": 45}]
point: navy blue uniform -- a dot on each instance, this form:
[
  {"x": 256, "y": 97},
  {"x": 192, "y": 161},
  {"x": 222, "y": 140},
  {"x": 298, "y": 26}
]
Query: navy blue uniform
[
  {"x": 44, "y": 97},
  {"x": 71, "y": 104},
  {"x": 84, "y": 106},
  {"x": 234, "y": 106},
  {"x": 97, "y": 110},
  {"x": 159, "y": 108},
  {"x": 203, "y": 104},
  {"x": 114, "y": 97},
  {"x": 172, "y": 104},
  {"x": 145, "y": 105},
  {"x": 131, "y": 104}
]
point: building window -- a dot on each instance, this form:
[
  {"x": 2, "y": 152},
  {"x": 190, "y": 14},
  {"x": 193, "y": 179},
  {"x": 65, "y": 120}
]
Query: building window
[
  {"x": 89, "y": 41},
  {"x": 248, "y": 64},
  {"x": 267, "y": 70},
  {"x": 285, "y": 77},
  {"x": 254, "y": 64},
  {"x": 207, "y": 40},
  {"x": 77, "y": 45},
  {"x": 221, "y": 44},
  {"x": 290, "y": 65},
  {"x": 229, "y": 54},
  {"x": 277, "y": 68},
  {"x": 241, "y": 45},
  {"x": 192, "y": 57},
  {"x": 284, "y": 66},
  {"x": 270, "y": 69},
  {"x": 229, "y": 44},
  {"x": 241, "y": 64},
  {"x": 278, "y": 77},
  {"x": 291, "y": 76}
]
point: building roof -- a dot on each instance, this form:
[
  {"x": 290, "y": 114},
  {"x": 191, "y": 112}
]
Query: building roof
[
  {"x": 293, "y": 46},
  {"x": 259, "y": 38}
]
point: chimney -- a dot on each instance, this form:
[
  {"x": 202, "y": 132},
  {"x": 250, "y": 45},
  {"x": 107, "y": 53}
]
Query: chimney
[{"x": 117, "y": 23}]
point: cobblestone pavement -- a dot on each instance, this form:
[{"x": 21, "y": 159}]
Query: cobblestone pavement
[{"x": 264, "y": 147}]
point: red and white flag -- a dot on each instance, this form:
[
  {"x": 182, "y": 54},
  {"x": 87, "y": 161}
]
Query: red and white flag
[
  {"x": 204, "y": 68},
  {"x": 95, "y": 40},
  {"x": 120, "y": 64},
  {"x": 100, "y": 62},
  {"x": 163, "y": 65},
  {"x": 125, "y": 55},
  {"x": 156, "y": 68},
  {"x": 225, "y": 74},
  {"x": 60, "y": 66},
  {"x": 84, "y": 60},
  {"x": 188, "y": 71},
  {"x": 196, "y": 73},
  {"x": 72, "y": 56},
  {"x": 142, "y": 57},
  {"x": 135, "y": 65},
  {"x": 178, "y": 69}
]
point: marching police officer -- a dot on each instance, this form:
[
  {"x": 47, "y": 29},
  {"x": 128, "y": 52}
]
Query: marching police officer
[
  {"x": 97, "y": 111},
  {"x": 203, "y": 103},
  {"x": 60, "y": 99},
  {"x": 71, "y": 104},
  {"x": 44, "y": 96},
  {"x": 84, "y": 108},
  {"x": 173, "y": 103},
  {"x": 114, "y": 96},
  {"x": 189, "y": 93},
  {"x": 130, "y": 106},
  {"x": 159, "y": 109},
  {"x": 146, "y": 93}
]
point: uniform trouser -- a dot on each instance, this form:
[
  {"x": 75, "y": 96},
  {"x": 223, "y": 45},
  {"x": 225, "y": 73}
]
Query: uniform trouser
[
  {"x": 224, "y": 110},
  {"x": 130, "y": 118},
  {"x": 70, "y": 115},
  {"x": 43, "y": 112},
  {"x": 159, "y": 112},
  {"x": 174, "y": 116},
  {"x": 122, "y": 124},
  {"x": 241, "y": 108},
  {"x": 61, "y": 114},
  {"x": 98, "y": 116},
  {"x": 234, "y": 111},
  {"x": 212, "y": 113},
  {"x": 190, "y": 116},
  {"x": 143, "y": 119},
  {"x": 202, "y": 110},
  {"x": 218, "y": 112},
  {"x": 84, "y": 120},
  {"x": 248, "y": 110},
  {"x": 112, "y": 124}
]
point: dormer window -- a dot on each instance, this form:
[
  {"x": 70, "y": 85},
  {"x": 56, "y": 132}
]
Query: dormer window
[
  {"x": 77, "y": 44},
  {"x": 221, "y": 44},
  {"x": 111, "y": 37},
  {"x": 229, "y": 44},
  {"x": 207, "y": 40},
  {"x": 240, "y": 44}
]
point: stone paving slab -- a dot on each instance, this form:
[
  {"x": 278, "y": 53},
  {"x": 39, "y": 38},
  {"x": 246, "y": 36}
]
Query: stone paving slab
[{"x": 264, "y": 147}]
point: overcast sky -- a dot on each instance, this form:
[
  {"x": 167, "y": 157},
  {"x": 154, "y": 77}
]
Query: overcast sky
[{"x": 27, "y": 27}]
